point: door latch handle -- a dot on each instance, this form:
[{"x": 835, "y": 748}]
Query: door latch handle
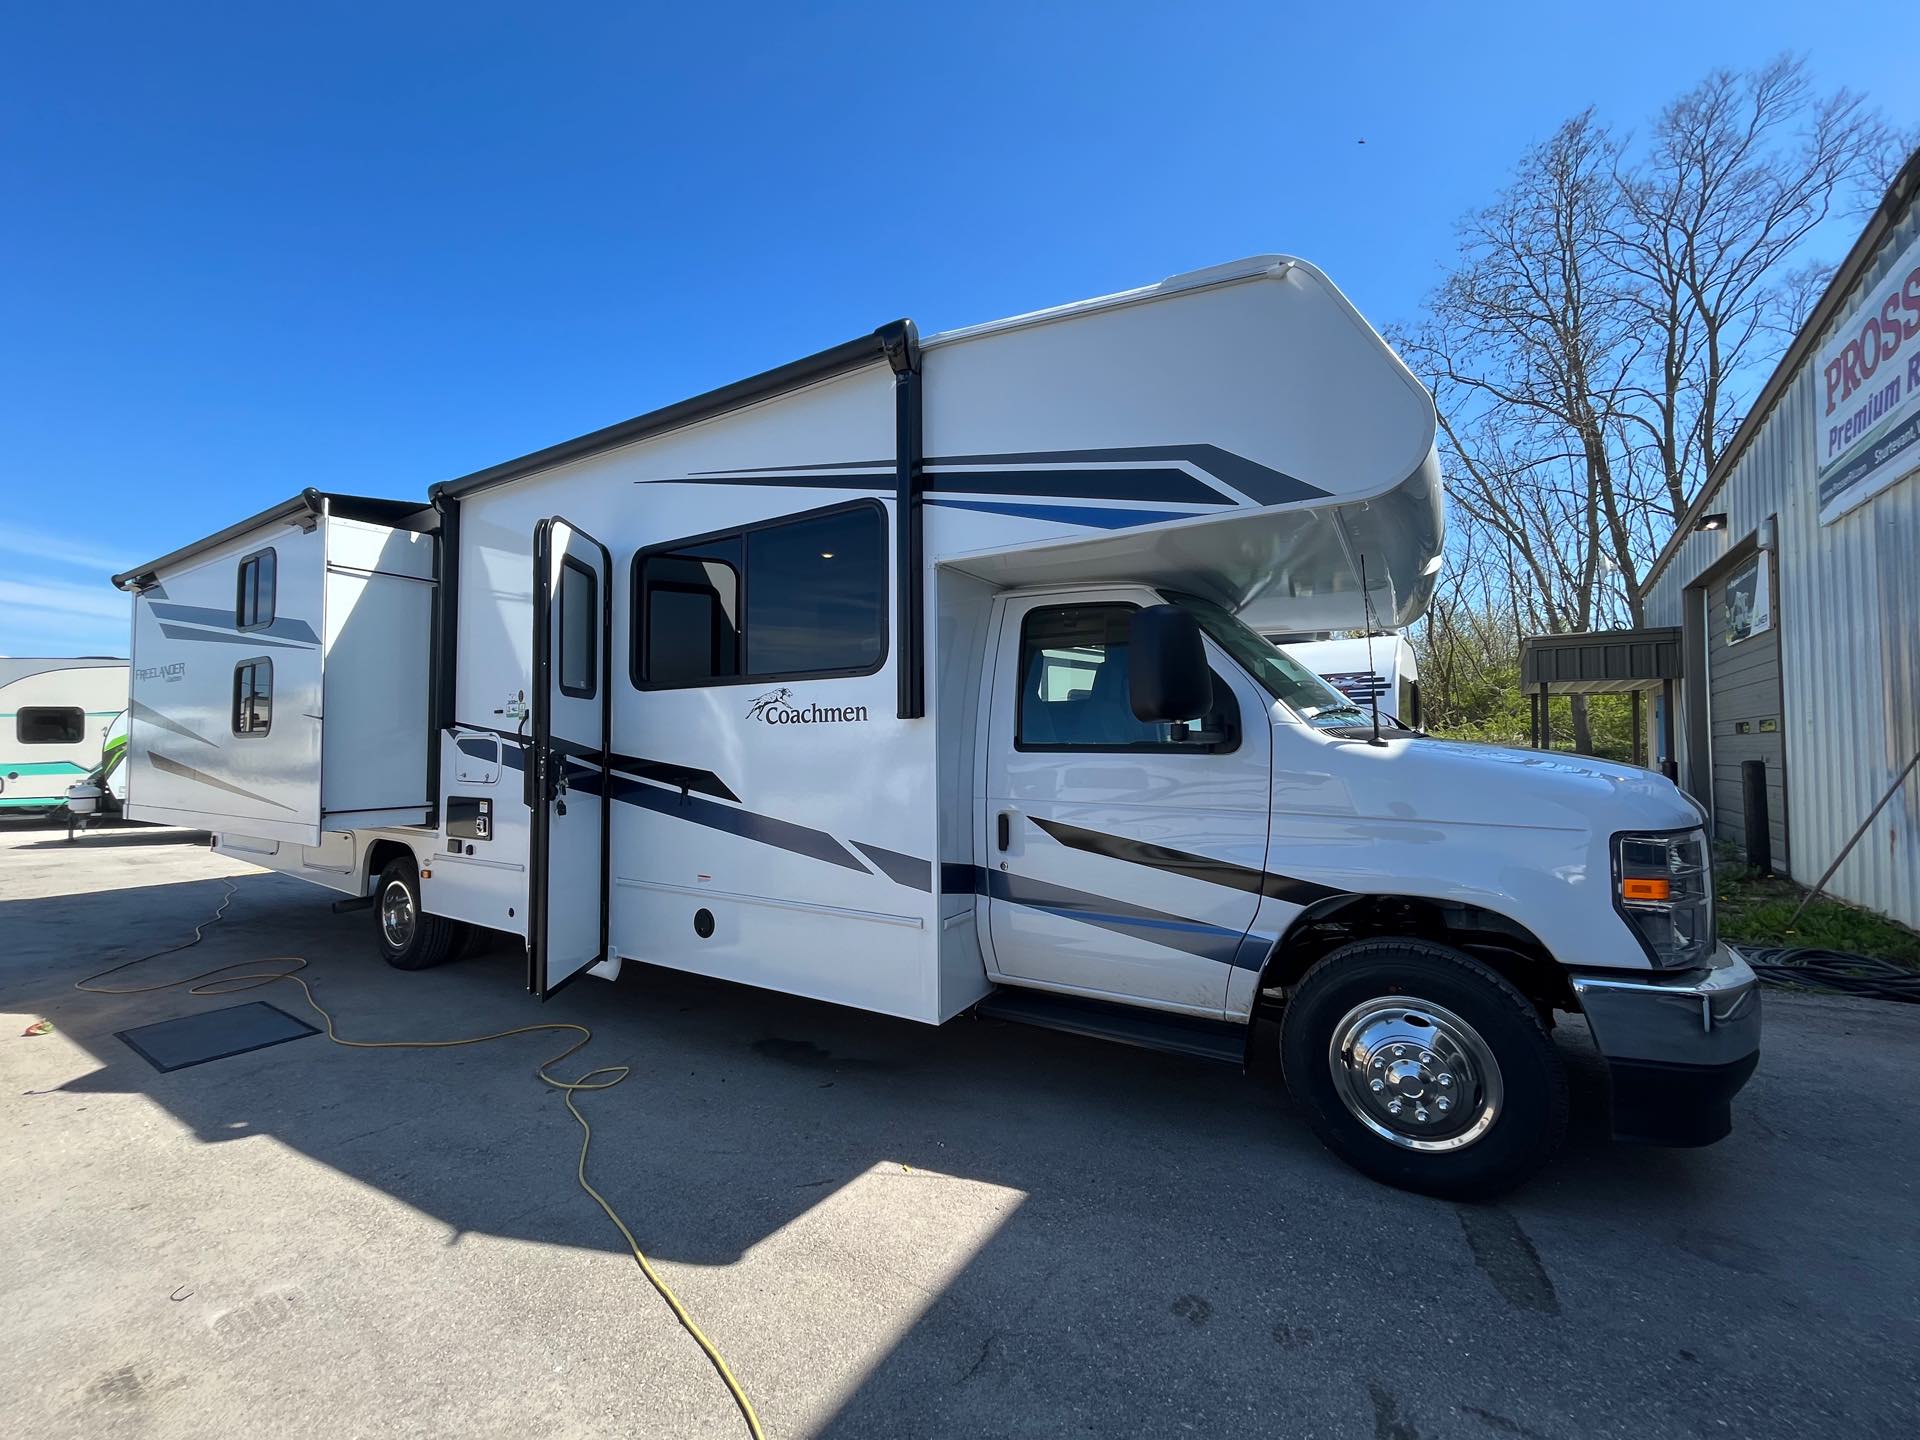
[{"x": 1004, "y": 828}]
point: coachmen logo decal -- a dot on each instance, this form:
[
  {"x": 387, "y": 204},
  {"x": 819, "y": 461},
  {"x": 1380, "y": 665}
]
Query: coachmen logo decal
[{"x": 776, "y": 707}]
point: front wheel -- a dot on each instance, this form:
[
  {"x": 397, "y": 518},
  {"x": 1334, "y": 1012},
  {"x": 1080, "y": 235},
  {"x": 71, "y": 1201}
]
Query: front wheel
[
  {"x": 1421, "y": 1067},
  {"x": 411, "y": 939}
]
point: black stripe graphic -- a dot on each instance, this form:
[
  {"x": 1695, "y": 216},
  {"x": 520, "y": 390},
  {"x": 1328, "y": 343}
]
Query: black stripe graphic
[
  {"x": 681, "y": 777},
  {"x": 781, "y": 834},
  {"x": 906, "y": 870},
  {"x": 1182, "y": 862},
  {"x": 228, "y": 637},
  {"x": 1260, "y": 483},
  {"x": 170, "y": 766}
]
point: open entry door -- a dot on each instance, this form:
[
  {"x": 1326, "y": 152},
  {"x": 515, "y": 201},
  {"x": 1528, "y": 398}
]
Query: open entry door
[{"x": 572, "y": 713}]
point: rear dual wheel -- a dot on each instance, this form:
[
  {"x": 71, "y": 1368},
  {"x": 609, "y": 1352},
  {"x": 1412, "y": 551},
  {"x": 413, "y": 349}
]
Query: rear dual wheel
[
  {"x": 410, "y": 938},
  {"x": 1423, "y": 1068}
]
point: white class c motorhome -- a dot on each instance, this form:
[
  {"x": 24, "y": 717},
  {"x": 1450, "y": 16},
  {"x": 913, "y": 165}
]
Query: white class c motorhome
[
  {"x": 924, "y": 675},
  {"x": 55, "y": 714}
]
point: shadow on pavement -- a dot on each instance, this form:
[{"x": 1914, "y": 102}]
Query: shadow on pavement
[{"x": 1178, "y": 1255}]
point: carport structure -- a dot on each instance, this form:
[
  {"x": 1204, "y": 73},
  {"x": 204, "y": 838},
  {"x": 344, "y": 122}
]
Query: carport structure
[{"x": 1605, "y": 662}]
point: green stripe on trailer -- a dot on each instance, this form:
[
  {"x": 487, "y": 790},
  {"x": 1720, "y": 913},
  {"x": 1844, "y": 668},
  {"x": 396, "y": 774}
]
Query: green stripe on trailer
[
  {"x": 32, "y": 802},
  {"x": 41, "y": 767}
]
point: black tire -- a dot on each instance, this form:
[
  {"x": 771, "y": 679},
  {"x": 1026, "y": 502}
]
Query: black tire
[
  {"x": 414, "y": 940},
  {"x": 1498, "y": 1142}
]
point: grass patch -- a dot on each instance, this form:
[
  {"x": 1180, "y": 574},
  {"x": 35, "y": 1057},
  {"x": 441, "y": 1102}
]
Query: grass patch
[{"x": 1756, "y": 909}]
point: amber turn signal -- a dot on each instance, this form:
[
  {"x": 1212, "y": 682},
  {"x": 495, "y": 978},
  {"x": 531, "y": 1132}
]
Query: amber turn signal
[{"x": 1634, "y": 888}]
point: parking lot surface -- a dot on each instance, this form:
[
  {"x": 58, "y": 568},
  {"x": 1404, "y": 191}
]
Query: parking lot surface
[{"x": 889, "y": 1230}]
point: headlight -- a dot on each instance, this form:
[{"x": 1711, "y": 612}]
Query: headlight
[{"x": 1663, "y": 886}]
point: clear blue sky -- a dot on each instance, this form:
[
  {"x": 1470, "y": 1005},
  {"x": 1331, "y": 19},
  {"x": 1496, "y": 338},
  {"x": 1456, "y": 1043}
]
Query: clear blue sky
[{"x": 247, "y": 249}]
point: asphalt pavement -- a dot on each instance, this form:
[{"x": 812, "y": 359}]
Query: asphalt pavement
[{"x": 889, "y": 1230}]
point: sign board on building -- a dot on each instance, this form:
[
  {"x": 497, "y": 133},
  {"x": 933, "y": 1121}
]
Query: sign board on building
[
  {"x": 1867, "y": 393},
  {"x": 1749, "y": 604}
]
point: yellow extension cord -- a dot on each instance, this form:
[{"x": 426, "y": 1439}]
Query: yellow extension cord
[{"x": 217, "y": 982}]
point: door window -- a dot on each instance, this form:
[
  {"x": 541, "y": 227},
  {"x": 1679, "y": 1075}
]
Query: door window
[
  {"x": 1074, "y": 688},
  {"x": 579, "y": 629}
]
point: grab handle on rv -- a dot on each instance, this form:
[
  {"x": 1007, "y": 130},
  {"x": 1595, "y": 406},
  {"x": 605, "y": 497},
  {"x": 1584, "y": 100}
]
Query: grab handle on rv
[{"x": 1003, "y": 828}]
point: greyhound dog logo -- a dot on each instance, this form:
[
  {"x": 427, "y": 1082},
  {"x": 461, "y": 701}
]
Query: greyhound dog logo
[{"x": 773, "y": 700}]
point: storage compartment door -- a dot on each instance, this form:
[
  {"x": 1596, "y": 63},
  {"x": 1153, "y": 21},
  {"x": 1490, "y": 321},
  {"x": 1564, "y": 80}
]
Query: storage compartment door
[{"x": 572, "y": 711}]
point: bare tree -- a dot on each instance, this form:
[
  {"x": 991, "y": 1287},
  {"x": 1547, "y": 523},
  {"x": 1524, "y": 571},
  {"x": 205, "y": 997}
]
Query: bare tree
[{"x": 1589, "y": 348}]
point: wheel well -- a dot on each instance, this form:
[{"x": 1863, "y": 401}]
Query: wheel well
[
  {"x": 380, "y": 854},
  {"x": 1503, "y": 945}
]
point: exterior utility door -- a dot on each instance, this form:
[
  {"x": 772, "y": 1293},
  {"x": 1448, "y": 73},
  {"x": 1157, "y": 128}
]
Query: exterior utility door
[
  {"x": 1117, "y": 851},
  {"x": 567, "y": 776}
]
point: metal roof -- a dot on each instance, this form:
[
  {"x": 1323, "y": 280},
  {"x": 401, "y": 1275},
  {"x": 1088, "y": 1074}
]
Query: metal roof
[{"x": 1601, "y": 662}]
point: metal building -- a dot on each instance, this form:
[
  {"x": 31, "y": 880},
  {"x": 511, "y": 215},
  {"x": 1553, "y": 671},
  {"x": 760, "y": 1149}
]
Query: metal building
[{"x": 1794, "y": 579}]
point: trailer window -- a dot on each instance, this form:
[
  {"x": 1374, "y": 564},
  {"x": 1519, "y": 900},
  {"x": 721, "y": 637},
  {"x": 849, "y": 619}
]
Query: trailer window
[
  {"x": 1074, "y": 691},
  {"x": 253, "y": 697},
  {"x": 579, "y": 630},
  {"x": 797, "y": 598},
  {"x": 50, "y": 725},
  {"x": 254, "y": 595}
]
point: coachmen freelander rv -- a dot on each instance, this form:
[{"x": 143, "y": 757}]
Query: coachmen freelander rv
[
  {"x": 924, "y": 675},
  {"x": 54, "y": 718}
]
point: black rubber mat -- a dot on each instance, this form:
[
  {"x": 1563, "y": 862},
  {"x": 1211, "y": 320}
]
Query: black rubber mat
[{"x": 214, "y": 1035}]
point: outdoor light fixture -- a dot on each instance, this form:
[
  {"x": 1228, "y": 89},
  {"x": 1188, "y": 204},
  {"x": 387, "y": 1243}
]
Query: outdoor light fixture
[{"x": 1716, "y": 521}]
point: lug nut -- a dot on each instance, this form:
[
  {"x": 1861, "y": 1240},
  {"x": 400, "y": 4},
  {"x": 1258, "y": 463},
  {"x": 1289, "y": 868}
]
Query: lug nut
[
  {"x": 1446, "y": 1079},
  {"x": 1393, "y": 1107},
  {"x": 1421, "y": 1113},
  {"x": 1399, "y": 1049},
  {"x": 1443, "y": 1104},
  {"x": 1426, "y": 1057},
  {"x": 1379, "y": 1085}
]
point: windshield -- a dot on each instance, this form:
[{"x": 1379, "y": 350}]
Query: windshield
[{"x": 1279, "y": 674}]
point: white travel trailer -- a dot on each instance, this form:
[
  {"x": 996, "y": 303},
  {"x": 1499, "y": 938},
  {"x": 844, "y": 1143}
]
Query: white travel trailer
[
  {"x": 1382, "y": 668},
  {"x": 924, "y": 675},
  {"x": 55, "y": 713}
]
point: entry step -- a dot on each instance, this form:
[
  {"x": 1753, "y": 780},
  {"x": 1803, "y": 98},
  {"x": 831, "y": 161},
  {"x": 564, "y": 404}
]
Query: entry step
[{"x": 1222, "y": 1040}]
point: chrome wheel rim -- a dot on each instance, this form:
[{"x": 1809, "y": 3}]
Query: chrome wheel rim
[
  {"x": 1415, "y": 1073},
  {"x": 396, "y": 914}
]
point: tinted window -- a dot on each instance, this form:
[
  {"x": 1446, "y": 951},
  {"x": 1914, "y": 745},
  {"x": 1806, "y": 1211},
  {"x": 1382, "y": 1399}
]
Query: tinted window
[
  {"x": 253, "y": 602},
  {"x": 691, "y": 608},
  {"x": 579, "y": 629},
  {"x": 1074, "y": 687},
  {"x": 786, "y": 600},
  {"x": 50, "y": 725},
  {"x": 252, "y": 697},
  {"x": 816, "y": 594}
]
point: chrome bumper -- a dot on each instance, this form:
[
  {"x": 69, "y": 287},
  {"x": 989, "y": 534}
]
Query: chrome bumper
[
  {"x": 1678, "y": 1047},
  {"x": 1695, "y": 1017}
]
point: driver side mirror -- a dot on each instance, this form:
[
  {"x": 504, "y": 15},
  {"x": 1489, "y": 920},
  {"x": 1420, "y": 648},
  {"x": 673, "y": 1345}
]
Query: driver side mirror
[{"x": 1168, "y": 677}]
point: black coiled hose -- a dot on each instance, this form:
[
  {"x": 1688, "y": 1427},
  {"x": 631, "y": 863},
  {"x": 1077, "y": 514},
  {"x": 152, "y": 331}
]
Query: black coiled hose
[{"x": 1835, "y": 972}]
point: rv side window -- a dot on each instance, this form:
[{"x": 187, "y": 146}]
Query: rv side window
[
  {"x": 794, "y": 598},
  {"x": 816, "y": 595},
  {"x": 253, "y": 598},
  {"x": 690, "y": 615},
  {"x": 579, "y": 629},
  {"x": 252, "y": 697},
  {"x": 1074, "y": 688},
  {"x": 50, "y": 725}
]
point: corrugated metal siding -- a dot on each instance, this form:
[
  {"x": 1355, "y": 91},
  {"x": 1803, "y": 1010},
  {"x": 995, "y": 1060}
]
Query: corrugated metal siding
[{"x": 1848, "y": 606}]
